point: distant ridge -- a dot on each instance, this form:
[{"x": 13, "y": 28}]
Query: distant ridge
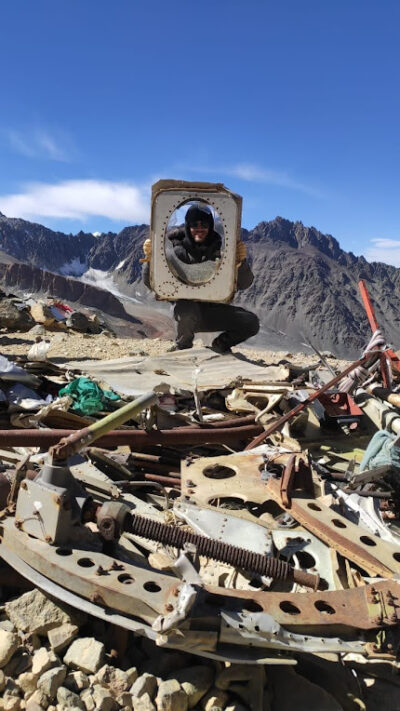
[{"x": 305, "y": 284}]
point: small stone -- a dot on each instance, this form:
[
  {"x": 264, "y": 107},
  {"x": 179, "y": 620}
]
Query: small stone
[
  {"x": 2, "y": 680},
  {"x": 7, "y": 625},
  {"x": 51, "y": 680},
  {"x": 27, "y": 682},
  {"x": 20, "y": 663},
  {"x": 76, "y": 681},
  {"x": 61, "y": 637},
  {"x": 143, "y": 703},
  {"x": 67, "y": 699},
  {"x": 86, "y": 654},
  {"x": 132, "y": 674},
  {"x": 115, "y": 679},
  {"x": 171, "y": 697},
  {"x": 124, "y": 700},
  {"x": 102, "y": 699},
  {"x": 11, "y": 703},
  {"x": 144, "y": 684},
  {"x": 37, "y": 702},
  {"x": 215, "y": 697},
  {"x": 8, "y": 645},
  {"x": 195, "y": 682},
  {"x": 42, "y": 660},
  {"x": 34, "y": 613},
  {"x": 87, "y": 699}
]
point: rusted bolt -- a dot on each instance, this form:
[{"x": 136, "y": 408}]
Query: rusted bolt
[
  {"x": 169, "y": 607},
  {"x": 18, "y": 523},
  {"x": 48, "y": 539},
  {"x": 190, "y": 491},
  {"x": 100, "y": 570},
  {"x": 23, "y": 484},
  {"x": 190, "y": 483},
  {"x": 176, "y": 592}
]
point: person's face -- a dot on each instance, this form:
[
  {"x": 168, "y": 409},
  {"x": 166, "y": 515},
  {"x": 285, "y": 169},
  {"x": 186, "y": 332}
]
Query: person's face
[{"x": 199, "y": 230}]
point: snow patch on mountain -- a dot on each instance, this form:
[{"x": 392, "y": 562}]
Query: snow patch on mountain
[{"x": 74, "y": 268}]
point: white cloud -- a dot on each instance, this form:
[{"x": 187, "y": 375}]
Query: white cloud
[
  {"x": 79, "y": 199},
  {"x": 41, "y": 143},
  {"x": 256, "y": 174},
  {"x": 384, "y": 250}
]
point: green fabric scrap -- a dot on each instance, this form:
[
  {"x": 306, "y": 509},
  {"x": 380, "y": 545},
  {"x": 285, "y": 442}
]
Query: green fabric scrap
[{"x": 88, "y": 397}]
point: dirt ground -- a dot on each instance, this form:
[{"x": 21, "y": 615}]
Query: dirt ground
[{"x": 76, "y": 346}]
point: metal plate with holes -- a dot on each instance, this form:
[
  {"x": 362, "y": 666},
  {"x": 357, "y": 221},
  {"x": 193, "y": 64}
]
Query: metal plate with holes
[
  {"x": 376, "y": 556},
  {"x": 121, "y": 586},
  {"x": 169, "y": 195},
  {"x": 363, "y": 608},
  {"x": 236, "y": 481}
]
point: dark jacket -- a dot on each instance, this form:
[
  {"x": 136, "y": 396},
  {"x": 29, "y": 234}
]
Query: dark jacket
[{"x": 189, "y": 252}]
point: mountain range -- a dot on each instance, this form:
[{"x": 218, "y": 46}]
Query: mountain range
[{"x": 305, "y": 286}]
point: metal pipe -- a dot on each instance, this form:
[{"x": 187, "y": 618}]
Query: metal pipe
[
  {"x": 134, "y": 438},
  {"x": 87, "y": 435},
  {"x": 166, "y": 480}
]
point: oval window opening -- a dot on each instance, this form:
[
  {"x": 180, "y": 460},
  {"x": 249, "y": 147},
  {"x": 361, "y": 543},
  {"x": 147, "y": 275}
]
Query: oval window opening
[{"x": 194, "y": 242}]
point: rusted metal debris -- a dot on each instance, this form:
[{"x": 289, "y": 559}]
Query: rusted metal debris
[{"x": 270, "y": 530}]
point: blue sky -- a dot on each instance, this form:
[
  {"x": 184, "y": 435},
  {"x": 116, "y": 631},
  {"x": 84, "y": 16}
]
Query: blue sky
[{"x": 292, "y": 103}]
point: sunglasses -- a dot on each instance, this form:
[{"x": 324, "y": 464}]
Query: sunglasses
[{"x": 199, "y": 223}]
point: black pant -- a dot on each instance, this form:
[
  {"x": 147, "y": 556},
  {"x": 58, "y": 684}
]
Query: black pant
[{"x": 236, "y": 324}]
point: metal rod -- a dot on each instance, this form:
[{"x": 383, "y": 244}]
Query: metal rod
[
  {"x": 133, "y": 438},
  {"x": 302, "y": 405}
]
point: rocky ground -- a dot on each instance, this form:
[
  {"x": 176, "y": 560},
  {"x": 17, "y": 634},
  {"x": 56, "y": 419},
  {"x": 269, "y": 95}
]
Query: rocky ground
[{"x": 78, "y": 346}]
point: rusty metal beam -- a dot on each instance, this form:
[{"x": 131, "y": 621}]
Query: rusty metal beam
[{"x": 135, "y": 438}]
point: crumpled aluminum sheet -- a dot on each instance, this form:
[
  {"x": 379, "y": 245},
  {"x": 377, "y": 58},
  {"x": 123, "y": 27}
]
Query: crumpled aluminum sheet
[{"x": 179, "y": 372}]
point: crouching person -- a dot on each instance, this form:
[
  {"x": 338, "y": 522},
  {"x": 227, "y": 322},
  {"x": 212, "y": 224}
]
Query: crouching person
[{"x": 195, "y": 243}]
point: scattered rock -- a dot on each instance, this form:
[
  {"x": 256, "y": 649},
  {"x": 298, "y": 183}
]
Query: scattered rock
[
  {"x": 144, "y": 684},
  {"x": 214, "y": 698},
  {"x": 116, "y": 679},
  {"x": 51, "y": 680},
  {"x": 7, "y": 625},
  {"x": 44, "y": 659},
  {"x": 37, "y": 702},
  {"x": 20, "y": 662},
  {"x": 34, "y": 613},
  {"x": 27, "y": 683},
  {"x": 67, "y": 699},
  {"x": 86, "y": 654},
  {"x": 76, "y": 681},
  {"x": 8, "y": 645},
  {"x": 171, "y": 696},
  {"x": 13, "y": 318},
  {"x": 143, "y": 703},
  {"x": 98, "y": 699},
  {"x": 195, "y": 682},
  {"x": 61, "y": 637},
  {"x": 125, "y": 700}
]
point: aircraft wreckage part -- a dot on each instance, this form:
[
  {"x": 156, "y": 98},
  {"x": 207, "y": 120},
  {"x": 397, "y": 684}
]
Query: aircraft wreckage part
[
  {"x": 365, "y": 608},
  {"x": 82, "y": 438},
  {"x": 218, "y": 550},
  {"x": 238, "y": 478},
  {"x": 203, "y": 644},
  {"x": 134, "y": 438},
  {"x": 115, "y": 584},
  {"x": 356, "y": 543},
  {"x": 260, "y": 628},
  {"x": 217, "y": 524},
  {"x": 302, "y": 405}
]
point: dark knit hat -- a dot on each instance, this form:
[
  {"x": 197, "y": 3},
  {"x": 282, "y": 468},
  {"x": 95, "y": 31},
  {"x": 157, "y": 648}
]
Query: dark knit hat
[{"x": 199, "y": 211}]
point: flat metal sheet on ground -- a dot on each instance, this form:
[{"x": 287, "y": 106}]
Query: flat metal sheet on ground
[{"x": 180, "y": 371}]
